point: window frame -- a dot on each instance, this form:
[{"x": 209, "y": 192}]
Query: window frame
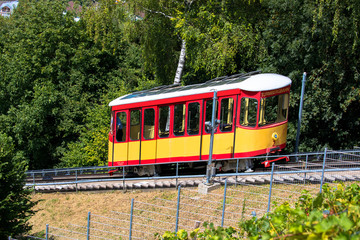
[
  {"x": 204, "y": 132},
  {"x": 126, "y": 126},
  {"x": 200, "y": 102},
  {"x": 173, "y": 119},
  {"x": 277, "y": 104},
  {"x": 143, "y": 123},
  {"x": 129, "y": 124},
  {"x": 158, "y": 121},
  {"x": 233, "y": 113}
]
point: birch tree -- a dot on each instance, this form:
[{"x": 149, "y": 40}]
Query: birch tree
[{"x": 215, "y": 37}]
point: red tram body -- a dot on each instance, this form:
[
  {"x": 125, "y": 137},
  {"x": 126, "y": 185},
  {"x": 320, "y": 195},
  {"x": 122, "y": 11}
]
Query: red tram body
[{"x": 167, "y": 124}]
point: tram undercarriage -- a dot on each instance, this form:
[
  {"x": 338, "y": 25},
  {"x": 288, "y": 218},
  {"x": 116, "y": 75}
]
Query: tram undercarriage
[{"x": 241, "y": 165}]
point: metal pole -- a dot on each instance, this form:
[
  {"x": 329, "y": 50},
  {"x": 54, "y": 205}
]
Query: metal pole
[
  {"x": 237, "y": 171},
  {"x": 271, "y": 182},
  {"x": 76, "y": 180},
  {"x": 306, "y": 163},
  {"x": 131, "y": 217},
  {"x": 88, "y": 227},
  {"x": 177, "y": 173},
  {"x": 47, "y": 232},
  {"x": 224, "y": 200},
  {"x": 300, "y": 112},
  {"x": 33, "y": 175},
  {"x": 208, "y": 172},
  {"x": 323, "y": 170},
  {"x": 177, "y": 211},
  {"x": 124, "y": 186}
]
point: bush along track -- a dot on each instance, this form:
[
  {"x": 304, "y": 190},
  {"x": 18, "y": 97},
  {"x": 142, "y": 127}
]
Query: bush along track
[{"x": 332, "y": 214}]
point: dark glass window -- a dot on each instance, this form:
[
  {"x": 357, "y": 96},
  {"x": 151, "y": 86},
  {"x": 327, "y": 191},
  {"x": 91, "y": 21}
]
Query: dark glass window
[
  {"x": 149, "y": 123},
  {"x": 193, "y": 121},
  {"x": 248, "y": 112},
  {"x": 179, "y": 120},
  {"x": 164, "y": 121},
  {"x": 121, "y": 126},
  {"x": 226, "y": 114},
  {"x": 208, "y": 110},
  {"x": 273, "y": 109},
  {"x": 135, "y": 125}
]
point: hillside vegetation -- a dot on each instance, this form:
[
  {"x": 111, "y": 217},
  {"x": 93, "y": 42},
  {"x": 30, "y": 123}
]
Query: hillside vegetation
[
  {"x": 332, "y": 214},
  {"x": 57, "y": 75}
]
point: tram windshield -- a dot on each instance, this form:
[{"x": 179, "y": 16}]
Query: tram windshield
[{"x": 273, "y": 109}]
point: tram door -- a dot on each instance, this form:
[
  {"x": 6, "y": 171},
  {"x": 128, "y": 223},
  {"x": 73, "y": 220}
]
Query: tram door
[
  {"x": 148, "y": 142},
  {"x": 192, "y": 142},
  {"x": 134, "y": 136},
  {"x": 224, "y": 133},
  {"x": 120, "y": 145}
]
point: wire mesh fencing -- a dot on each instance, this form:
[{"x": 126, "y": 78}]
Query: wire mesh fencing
[{"x": 239, "y": 198}]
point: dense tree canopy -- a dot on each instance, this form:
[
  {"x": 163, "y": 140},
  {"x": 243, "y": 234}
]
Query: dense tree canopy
[
  {"x": 57, "y": 75},
  {"x": 55, "y": 70},
  {"x": 15, "y": 203}
]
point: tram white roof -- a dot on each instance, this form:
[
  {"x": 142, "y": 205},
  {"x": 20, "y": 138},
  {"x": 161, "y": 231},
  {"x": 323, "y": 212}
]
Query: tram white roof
[{"x": 247, "y": 82}]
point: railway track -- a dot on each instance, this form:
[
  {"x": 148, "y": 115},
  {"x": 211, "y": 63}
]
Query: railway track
[
  {"x": 256, "y": 178},
  {"x": 337, "y": 168}
]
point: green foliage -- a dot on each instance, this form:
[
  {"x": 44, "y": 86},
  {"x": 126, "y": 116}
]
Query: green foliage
[
  {"x": 58, "y": 75},
  {"x": 221, "y": 37},
  {"x": 15, "y": 202},
  {"x": 333, "y": 214},
  {"x": 56, "y": 72},
  {"x": 321, "y": 38},
  {"x": 209, "y": 233}
]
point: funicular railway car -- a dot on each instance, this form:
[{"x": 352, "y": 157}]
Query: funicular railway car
[{"x": 169, "y": 124}]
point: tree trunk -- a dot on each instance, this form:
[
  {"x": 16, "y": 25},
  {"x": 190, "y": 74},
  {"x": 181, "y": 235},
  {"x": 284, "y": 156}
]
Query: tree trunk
[{"x": 181, "y": 63}]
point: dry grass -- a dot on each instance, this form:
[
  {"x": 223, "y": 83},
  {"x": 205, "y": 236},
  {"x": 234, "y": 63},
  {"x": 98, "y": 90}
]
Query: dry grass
[{"x": 60, "y": 209}]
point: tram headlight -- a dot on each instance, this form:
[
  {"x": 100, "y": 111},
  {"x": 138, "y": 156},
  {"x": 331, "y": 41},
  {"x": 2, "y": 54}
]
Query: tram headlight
[{"x": 275, "y": 136}]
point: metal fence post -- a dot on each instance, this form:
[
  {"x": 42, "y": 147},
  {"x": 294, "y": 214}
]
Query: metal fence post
[
  {"x": 131, "y": 217},
  {"x": 271, "y": 182},
  {"x": 33, "y": 175},
  {"x": 213, "y": 122},
  {"x": 306, "y": 163},
  {"x": 88, "y": 227},
  {"x": 47, "y": 232},
  {"x": 177, "y": 173},
  {"x": 237, "y": 171},
  {"x": 76, "y": 180},
  {"x": 177, "y": 210},
  {"x": 323, "y": 170},
  {"x": 224, "y": 200},
  {"x": 123, "y": 174},
  {"x": 300, "y": 113}
]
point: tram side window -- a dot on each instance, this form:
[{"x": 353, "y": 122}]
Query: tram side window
[
  {"x": 121, "y": 127},
  {"x": 193, "y": 118},
  {"x": 164, "y": 121},
  {"x": 209, "y": 104},
  {"x": 179, "y": 119},
  {"x": 248, "y": 112},
  {"x": 273, "y": 109},
  {"x": 149, "y": 123},
  {"x": 226, "y": 114},
  {"x": 135, "y": 125}
]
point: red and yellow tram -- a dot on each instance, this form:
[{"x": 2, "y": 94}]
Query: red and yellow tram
[{"x": 168, "y": 124}]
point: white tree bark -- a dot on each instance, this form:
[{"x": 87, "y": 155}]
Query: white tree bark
[{"x": 181, "y": 63}]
